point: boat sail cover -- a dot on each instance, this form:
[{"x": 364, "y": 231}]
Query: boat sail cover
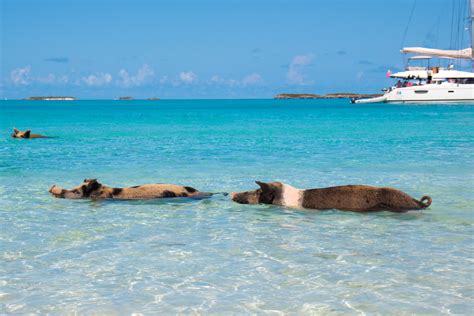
[{"x": 463, "y": 53}]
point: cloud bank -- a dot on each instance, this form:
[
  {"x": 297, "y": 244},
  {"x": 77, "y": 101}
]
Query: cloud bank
[
  {"x": 187, "y": 76},
  {"x": 143, "y": 75},
  {"x": 249, "y": 80},
  {"x": 295, "y": 70},
  {"x": 97, "y": 79},
  {"x": 21, "y": 76}
]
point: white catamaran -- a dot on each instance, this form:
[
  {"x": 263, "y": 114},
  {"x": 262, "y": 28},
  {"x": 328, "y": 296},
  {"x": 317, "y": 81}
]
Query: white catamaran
[{"x": 431, "y": 84}]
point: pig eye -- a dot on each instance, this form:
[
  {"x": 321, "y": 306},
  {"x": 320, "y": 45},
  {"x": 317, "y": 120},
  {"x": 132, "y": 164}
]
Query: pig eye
[{"x": 85, "y": 180}]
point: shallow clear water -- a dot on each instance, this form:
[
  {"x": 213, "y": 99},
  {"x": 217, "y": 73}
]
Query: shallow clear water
[{"x": 215, "y": 256}]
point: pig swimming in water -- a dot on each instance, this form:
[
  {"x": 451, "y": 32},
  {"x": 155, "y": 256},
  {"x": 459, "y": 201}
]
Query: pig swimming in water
[
  {"x": 356, "y": 198},
  {"x": 92, "y": 189},
  {"x": 26, "y": 134}
]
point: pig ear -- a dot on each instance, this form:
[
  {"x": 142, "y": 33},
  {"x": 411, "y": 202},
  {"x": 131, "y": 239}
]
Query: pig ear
[
  {"x": 93, "y": 182},
  {"x": 263, "y": 185},
  {"x": 15, "y": 131},
  {"x": 27, "y": 133}
]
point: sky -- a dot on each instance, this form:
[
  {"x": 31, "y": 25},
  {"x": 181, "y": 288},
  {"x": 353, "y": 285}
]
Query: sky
[{"x": 183, "y": 49}]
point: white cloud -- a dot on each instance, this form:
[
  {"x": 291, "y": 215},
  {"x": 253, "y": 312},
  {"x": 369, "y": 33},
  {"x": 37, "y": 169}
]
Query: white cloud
[
  {"x": 252, "y": 79},
  {"x": 184, "y": 77},
  {"x": 217, "y": 79},
  {"x": 97, "y": 79},
  {"x": 187, "y": 76},
  {"x": 164, "y": 79},
  {"x": 53, "y": 79},
  {"x": 50, "y": 78},
  {"x": 248, "y": 80},
  {"x": 232, "y": 82},
  {"x": 21, "y": 76},
  {"x": 142, "y": 76},
  {"x": 297, "y": 65},
  {"x": 63, "y": 79}
]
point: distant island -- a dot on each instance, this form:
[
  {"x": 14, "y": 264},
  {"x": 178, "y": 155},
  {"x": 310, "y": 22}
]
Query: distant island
[
  {"x": 125, "y": 98},
  {"x": 153, "y": 98},
  {"x": 52, "y": 98},
  {"x": 339, "y": 95}
]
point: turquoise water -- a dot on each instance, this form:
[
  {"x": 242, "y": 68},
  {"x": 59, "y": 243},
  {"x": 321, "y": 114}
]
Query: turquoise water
[{"x": 213, "y": 256}]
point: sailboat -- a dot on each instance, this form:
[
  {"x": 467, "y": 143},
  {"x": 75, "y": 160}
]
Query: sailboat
[{"x": 431, "y": 84}]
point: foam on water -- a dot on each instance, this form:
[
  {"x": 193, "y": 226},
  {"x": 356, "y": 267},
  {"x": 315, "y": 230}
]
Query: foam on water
[{"x": 215, "y": 256}]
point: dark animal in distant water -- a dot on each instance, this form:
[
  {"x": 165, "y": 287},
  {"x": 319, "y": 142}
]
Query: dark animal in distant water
[
  {"x": 92, "y": 189},
  {"x": 26, "y": 134},
  {"x": 356, "y": 198}
]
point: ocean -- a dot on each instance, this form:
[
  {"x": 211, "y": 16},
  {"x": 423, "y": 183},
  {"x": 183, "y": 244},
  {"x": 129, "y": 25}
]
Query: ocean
[{"x": 213, "y": 256}]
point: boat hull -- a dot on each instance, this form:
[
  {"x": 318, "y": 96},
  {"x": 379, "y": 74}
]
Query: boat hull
[
  {"x": 380, "y": 99},
  {"x": 429, "y": 93}
]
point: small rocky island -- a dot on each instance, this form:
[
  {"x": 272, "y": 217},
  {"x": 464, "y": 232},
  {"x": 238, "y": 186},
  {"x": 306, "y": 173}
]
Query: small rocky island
[
  {"x": 339, "y": 95},
  {"x": 52, "y": 98}
]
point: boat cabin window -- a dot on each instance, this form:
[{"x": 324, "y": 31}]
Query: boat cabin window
[
  {"x": 409, "y": 83},
  {"x": 461, "y": 80},
  {"x": 467, "y": 81}
]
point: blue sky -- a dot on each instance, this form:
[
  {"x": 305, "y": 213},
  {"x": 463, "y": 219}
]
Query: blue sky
[{"x": 211, "y": 48}]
